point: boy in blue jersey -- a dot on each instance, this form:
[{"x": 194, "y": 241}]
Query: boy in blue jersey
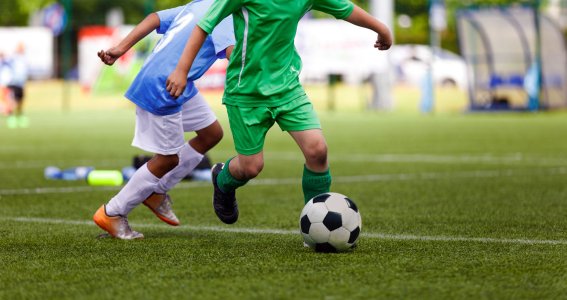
[{"x": 161, "y": 120}]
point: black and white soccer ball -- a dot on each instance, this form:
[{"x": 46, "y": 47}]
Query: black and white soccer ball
[{"x": 330, "y": 222}]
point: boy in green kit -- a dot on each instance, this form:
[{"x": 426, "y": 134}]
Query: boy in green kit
[{"x": 263, "y": 88}]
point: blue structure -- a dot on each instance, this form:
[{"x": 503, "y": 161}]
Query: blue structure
[{"x": 516, "y": 58}]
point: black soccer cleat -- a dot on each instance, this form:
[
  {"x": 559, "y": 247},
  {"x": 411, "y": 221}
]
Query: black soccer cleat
[{"x": 224, "y": 204}]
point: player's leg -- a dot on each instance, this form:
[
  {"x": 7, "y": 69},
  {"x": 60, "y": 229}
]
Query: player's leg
[
  {"x": 197, "y": 116},
  {"x": 249, "y": 127},
  {"x": 159, "y": 134},
  {"x": 161, "y": 164},
  {"x": 244, "y": 167},
  {"x": 229, "y": 176},
  {"x": 12, "y": 120},
  {"x": 316, "y": 174},
  {"x": 162, "y": 135},
  {"x": 207, "y": 138},
  {"x": 299, "y": 119},
  {"x": 160, "y": 203},
  {"x": 19, "y": 108}
]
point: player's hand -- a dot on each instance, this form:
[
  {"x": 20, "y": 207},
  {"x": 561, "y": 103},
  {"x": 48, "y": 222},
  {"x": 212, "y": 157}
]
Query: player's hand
[
  {"x": 176, "y": 83},
  {"x": 383, "y": 42},
  {"x": 109, "y": 56}
]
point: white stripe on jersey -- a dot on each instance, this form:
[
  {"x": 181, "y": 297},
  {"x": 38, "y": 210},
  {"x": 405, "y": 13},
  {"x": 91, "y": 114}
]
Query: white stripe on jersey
[{"x": 244, "y": 42}]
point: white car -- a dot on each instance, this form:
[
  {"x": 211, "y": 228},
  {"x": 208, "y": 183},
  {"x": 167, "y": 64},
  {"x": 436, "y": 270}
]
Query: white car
[{"x": 411, "y": 63}]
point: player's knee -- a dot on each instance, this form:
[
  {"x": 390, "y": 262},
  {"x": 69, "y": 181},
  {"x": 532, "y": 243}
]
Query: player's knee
[
  {"x": 211, "y": 138},
  {"x": 251, "y": 170},
  {"x": 159, "y": 165},
  {"x": 169, "y": 162},
  {"x": 215, "y": 137},
  {"x": 317, "y": 154}
]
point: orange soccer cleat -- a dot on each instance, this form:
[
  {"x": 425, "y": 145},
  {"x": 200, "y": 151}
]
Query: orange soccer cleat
[
  {"x": 160, "y": 205},
  {"x": 116, "y": 226}
]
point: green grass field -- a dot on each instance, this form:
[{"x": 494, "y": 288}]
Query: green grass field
[{"x": 454, "y": 206}]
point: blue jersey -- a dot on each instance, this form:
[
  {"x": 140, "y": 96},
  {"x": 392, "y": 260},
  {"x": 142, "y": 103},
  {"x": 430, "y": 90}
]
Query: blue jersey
[{"x": 148, "y": 90}]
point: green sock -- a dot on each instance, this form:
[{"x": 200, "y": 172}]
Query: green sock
[
  {"x": 226, "y": 182},
  {"x": 315, "y": 183}
]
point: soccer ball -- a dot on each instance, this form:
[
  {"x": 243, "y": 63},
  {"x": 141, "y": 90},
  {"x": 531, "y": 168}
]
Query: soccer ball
[{"x": 330, "y": 222}]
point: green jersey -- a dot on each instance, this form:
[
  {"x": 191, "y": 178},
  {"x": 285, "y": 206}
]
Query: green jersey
[{"x": 264, "y": 66}]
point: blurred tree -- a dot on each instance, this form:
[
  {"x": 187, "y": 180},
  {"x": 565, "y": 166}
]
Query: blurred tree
[
  {"x": 417, "y": 10},
  {"x": 93, "y": 12},
  {"x": 17, "y": 12},
  {"x": 90, "y": 12}
]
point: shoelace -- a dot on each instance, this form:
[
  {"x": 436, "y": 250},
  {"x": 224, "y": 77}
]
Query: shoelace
[
  {"x": 125, "y": 224},
  {"x": 166, "y": 204}
]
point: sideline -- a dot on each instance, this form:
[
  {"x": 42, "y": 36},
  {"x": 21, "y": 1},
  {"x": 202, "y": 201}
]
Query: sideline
[
  {"x": 558, "y": 171},
  {"x": 481, "y": 158}
]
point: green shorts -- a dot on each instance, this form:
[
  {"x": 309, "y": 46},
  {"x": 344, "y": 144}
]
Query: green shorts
[{"x": 249, "y": 125}]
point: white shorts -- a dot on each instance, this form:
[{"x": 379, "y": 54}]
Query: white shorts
[{"x": 165, "y": 134}]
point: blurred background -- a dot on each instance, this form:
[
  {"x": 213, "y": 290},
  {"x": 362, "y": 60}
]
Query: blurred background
[
  {"x": 449, "y": 56},
  {"x": 452, "y": 144}
]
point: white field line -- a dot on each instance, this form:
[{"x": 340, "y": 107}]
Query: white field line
[
  {"x": 370, "y": 235},
  {"x": 336, "y": 179},
  {"x": 483, "y": 158},
  {"x": 486, "y": 158},
  {"x": 40, "y": 164}
]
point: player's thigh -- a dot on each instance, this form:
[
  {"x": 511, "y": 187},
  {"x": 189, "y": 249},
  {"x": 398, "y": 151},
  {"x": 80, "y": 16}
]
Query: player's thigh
[
  {"x": 299, "y": 118},
  {"x": 197, "y": 114},
  {"x": 249, "y": 126},
  {"x": 311, "y": 140},
  {"x": 158, "y": 134}
]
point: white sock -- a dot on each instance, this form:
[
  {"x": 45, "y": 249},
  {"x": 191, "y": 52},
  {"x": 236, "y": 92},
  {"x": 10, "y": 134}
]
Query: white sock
[
  {"x": 189, "y": 158},
  {"x": 142, "y": 184}
]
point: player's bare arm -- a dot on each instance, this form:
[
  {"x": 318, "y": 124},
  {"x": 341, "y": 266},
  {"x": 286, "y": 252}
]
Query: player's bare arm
[
  {"x": 228, "y": 51},
  {"x": 149, "y": 24},
  {"x": 177, "y": 80},
  {"x": 361, "y": 18}
]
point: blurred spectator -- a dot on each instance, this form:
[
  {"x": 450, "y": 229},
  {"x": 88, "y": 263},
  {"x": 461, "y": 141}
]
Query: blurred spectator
[
  {"x": 5, "y": 106},
  {"x": 18, "y": 78}
]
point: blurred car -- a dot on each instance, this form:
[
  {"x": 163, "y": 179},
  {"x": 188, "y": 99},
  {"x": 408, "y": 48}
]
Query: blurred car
[{"x": 411, "y": 63}]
